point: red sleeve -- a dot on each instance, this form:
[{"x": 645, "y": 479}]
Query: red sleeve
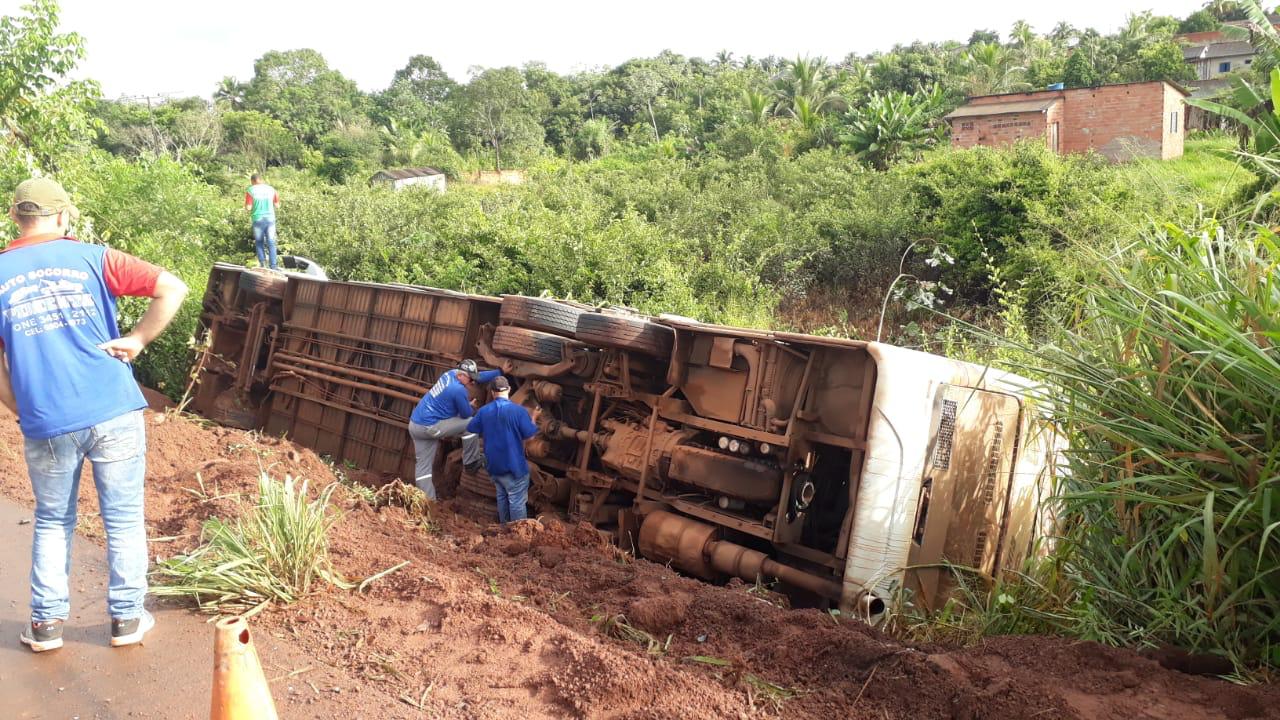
[
  {"x": 127, "y": 275},
  {"x": 248, "y": 199},
  {"x": 277, "y": 198}
]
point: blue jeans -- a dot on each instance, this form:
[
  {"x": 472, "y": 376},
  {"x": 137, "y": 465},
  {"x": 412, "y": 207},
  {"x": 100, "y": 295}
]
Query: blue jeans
[
  {"x": 513, "y": 493},
  {"x": 264, "y": 241},
  {"x": 117, "y": 450}
]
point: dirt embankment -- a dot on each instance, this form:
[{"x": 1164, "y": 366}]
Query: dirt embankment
[{"x": 548, "y": 621}]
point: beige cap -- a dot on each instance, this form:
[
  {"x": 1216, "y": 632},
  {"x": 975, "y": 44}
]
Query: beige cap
[{"x": 42, "y": 196}]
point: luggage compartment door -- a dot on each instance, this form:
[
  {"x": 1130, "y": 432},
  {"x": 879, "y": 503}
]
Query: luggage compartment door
[{"x": 961, "y": 511}]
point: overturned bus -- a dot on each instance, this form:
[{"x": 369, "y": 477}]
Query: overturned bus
[{"x": 844, "y": 470}]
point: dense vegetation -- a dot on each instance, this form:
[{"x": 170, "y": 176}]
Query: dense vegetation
[{"x": 791, "y": 192}]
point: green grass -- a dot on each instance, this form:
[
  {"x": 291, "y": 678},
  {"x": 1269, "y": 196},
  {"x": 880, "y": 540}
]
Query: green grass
[
  {"x": 1208, "y": 174},
  {"x": 1166, "y": 381},
  {"x": 278, "y": 551}
]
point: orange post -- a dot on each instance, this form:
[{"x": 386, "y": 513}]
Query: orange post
[{"x": 240, "y": 689}]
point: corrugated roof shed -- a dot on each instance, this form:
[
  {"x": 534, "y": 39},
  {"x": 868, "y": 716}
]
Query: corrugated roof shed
[{"x": 406, "y": 173}]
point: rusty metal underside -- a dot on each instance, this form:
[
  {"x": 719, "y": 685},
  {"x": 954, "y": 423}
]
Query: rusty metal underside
[{"x": 724, "y": 452}]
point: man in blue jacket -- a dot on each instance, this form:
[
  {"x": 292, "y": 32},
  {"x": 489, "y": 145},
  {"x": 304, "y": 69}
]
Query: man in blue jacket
[
  {"x": 443, "y": 413},
  {"x": 505, "y": 426}
]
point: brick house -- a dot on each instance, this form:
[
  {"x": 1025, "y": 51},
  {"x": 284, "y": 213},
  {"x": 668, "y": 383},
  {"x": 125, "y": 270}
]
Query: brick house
[{"x": 1121, "y": 122}]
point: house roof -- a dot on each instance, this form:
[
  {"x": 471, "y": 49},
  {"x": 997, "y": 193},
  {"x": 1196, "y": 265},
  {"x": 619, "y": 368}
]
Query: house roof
[
  {"x": 406, "y": 173},
  {"x": 1209, "y": 51},
  {"x": 1003, "y": 108}
]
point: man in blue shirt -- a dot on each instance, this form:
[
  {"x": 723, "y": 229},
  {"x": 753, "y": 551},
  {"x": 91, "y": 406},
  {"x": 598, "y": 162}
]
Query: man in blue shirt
[
  {"x": 443, "y": 413},
  {"x": 505, "y": 426},
  {"x": 65, "y": 372}
]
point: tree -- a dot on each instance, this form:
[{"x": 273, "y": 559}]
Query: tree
[
  {"x": 498, "y": 111},
  {"x": 1199, "y": 21},
  {"x": 1021, "y": 35},
  {"x": 990, "y": 69},
  {"x": 564, "y": 99},
  {"x": 908, "y": 68},
  {"x": 1079, "y": 72},
  {"x": 180, "y": 129},
  {"x": 349, "y": 151},
  {"x": 807, "y": 82},
  {"x": 593, "y": 139},
  {"x": 757, "y": 107},
  {"x": 298, "y": 88},
  {"x": 894, "y": 125},
  {"x": 1063, "y": 33},
  {"x": 426, "y": 79},
  {"x": 230, "y": 93},
  {"x": 984, "y": 37},
  {"x": 644, "y": 85},
  {"x": 259, "y": 139},
  {"x": 40, "y": 114},
  {"x": 1162, "y": 61}
]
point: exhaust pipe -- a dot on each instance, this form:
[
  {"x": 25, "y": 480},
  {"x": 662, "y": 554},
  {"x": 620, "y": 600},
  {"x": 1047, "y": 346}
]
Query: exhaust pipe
[{"x": 691, "y": 546}]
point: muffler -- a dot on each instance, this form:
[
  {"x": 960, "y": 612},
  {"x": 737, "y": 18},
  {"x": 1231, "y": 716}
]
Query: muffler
[{"x": 692, "y": 546}]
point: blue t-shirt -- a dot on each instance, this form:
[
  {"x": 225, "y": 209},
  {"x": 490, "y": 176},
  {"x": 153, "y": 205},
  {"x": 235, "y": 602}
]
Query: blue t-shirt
[
  {"x": 504, "y": 426},
  {"x": 447, "y": 399},
  {"x": 55, "y": 309}
]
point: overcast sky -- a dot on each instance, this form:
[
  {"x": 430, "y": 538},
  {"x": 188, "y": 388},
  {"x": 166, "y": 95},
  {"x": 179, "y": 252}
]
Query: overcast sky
[{"x": 152, "y": 47}]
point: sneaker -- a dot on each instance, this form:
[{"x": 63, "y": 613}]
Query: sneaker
[
  {"x": 128, "y": 632},
  {"x": 42, "y": 636}
]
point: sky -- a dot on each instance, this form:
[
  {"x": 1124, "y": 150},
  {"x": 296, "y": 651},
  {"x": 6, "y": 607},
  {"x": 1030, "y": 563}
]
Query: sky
[{"x": 163, "y": 47}]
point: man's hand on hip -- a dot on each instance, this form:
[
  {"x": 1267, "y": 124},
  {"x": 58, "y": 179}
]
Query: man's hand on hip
[{"x": 124, "y": 349}]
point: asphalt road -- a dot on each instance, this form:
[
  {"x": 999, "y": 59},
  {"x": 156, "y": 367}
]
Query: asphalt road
[{"x": 168, "y": 676}]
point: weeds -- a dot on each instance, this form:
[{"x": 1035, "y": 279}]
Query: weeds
[
  {"x": 617, "y": 626},
  {"x": 1166, "y": 381},
  {"x": 772, "y": 693},
  {"x": 276, "y": 552},
  {"x": 396, "y": 493},
  {"x": 1019, "y": 603},
  {"x": 493, "y": 587},
  {"x": 756, "y": 687}
]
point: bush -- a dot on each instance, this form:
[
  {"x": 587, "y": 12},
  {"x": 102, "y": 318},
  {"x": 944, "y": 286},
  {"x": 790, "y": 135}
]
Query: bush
[
  {"x": 1167, "y": 384},
  {"x": 276, "y": 552},
  {"x": 1013, "y": 210},
  {"x": 156, "y": 209}
]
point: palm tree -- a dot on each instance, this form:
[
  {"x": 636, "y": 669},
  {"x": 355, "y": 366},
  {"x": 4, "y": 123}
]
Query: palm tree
[
  {"x": 894, "y": 125},
  {"x": 808, "y": 78},
  {"x": 1063, "y": 33},
  {"x": 230, "y": 92},
  {"x": 990, "y": 69},
  {"x": 1021, "y": 35},
  {"x": 757, "y": 106}
]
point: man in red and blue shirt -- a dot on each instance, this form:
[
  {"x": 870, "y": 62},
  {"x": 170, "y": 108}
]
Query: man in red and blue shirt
[
  {"x": 505, "y": 426},
  {"x": 64, "y": 371}
]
